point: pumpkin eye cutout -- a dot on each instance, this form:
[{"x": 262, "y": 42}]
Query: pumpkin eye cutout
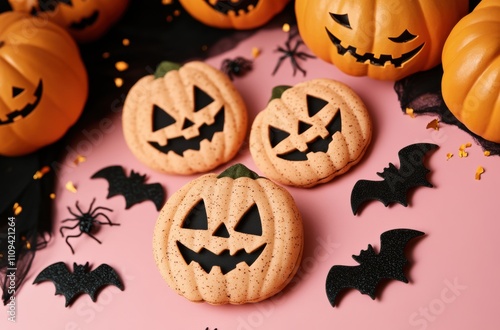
[
  {"x": 196, "y": 218},
  {"x": 276, "y": 135},
  {"x": 161, "y": 118},
  {"x": 236, "y": 6},
  {"x": 403, "y": 37},
  {"x": 201, "y": 99},
  {"x": 16, "y": 91},
  {"x": 342, "y": 20},
  {"x": 50, "y": 5},
  {"x": 250, "y": 222}
]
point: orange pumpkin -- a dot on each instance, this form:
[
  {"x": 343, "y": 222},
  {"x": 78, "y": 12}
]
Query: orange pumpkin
[
  {"x": 85, "y": 20},
  {"x": 384, "y": 39},
  {"x": 43, "y": 85},
  {"x": 234, "y": 14},
  {"x": 471, "y": 64}
]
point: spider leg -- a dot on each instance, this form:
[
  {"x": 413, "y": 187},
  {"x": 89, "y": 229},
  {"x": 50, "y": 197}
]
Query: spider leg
[
  {"x": 107, "y": 218},
  {"x": 78, "y": 208},
  {"x": 67, "y": 241},
  {"x": 279, "y": 64},
  {"x": 100, "y": 208},
  {"x": 67, "y": 227},
  {"x": 98, "y": 241},
  {"x": 73, "y": 213},
  {"x": 70, "y": 219},
  {"x": 296, "y": 66},
  {"x": 90, "y": 207}
]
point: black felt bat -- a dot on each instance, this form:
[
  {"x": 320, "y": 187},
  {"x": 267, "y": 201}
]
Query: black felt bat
[
  {"x": 396, "y": 183},
  {"x": 82, "y": 280},
  {"x": 388, "y": 264},
  {"x": 132, "y": 187}
]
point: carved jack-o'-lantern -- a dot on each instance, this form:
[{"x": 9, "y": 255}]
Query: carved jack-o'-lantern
[
  {"x": 233, "y": 238},
  {"x": 43, "y": 85},
  {"x": 387, "y": 39},
  {"x": 310, "y": 133},
  {"x": 85, "y": 20},
  {"x": 186, "y": 120},
  {"x": 236, "y": 14}
]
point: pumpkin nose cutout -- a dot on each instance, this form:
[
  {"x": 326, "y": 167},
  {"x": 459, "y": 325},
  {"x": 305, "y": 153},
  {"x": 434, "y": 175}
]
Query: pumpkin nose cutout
[
  {"x": 221, "y": 231},
  {"x": 187, "y": 123},
  {"x": 16, "y": 91},
  {"x": 303, "y": 127}
]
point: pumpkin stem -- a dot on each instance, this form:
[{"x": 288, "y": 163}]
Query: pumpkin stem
[
  {"x": 164, "y": 67},
  {"x": 2, "y": 43},
  {"x": 239, "y": 171},
  {"x": 278, "y": 91}
]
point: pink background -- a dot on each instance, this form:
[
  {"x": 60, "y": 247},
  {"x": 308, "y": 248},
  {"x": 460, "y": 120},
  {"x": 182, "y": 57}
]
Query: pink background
[{"x": 454, "y": 268}]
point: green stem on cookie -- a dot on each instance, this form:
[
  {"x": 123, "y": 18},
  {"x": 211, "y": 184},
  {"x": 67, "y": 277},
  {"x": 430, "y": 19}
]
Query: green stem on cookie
[
  {"x": 278, "y": 91},
  {"x": 239, "y": 171},
  {"x": 164, "y": 67}
]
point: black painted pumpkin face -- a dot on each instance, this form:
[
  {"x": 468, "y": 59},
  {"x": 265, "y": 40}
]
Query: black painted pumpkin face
[
  {"x": 86, "y": 20},
  {"x": 236, "y": 8},
  {"x": 22, "y": 101},
  {"x": 188, "y": 120},
  {"x": 313, "y": 132},
  {"x": 232, "y": 238}
]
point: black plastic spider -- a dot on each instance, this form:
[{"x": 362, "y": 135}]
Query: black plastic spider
[
  {"x": 86, "y": 222},
  {"x": 292, "y": 53},
  {"x": 236, "y": 67}
]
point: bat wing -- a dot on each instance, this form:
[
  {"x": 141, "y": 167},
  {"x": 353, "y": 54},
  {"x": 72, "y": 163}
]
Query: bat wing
[
  {"x": 366, "y": 190},
  {"x": 350, "y": 277},
  {"x": 101, "y": 276},
  {"x": 392, "y": 256},
  {"x": 412, "y": 168},
  {"x": 155, "y": 193},
  {"x": 64, "y": 281},
  {"x": 117, "y": 180}
]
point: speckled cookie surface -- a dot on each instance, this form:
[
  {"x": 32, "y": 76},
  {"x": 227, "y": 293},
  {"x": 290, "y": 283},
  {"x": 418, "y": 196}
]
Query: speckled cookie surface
[
  {"x": 225, "y": 240},
  {"x": 188, "y": 121},
  {"x": 313, "y": 132}
]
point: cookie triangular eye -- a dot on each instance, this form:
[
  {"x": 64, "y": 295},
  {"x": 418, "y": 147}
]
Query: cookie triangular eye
[
  {"x": 201, "y": 99},
  {"x": 250, "y": 222},
  {"x": 161, "y": 118},
  {"x": 303, "y": 126},
  {"x": 314, "y": 105},
  {"x": 197, "y": 217},
  {"x": 16, "y": 91},
  {"x": 276, "y": 135},
  {"x": 342, "y": 20}
]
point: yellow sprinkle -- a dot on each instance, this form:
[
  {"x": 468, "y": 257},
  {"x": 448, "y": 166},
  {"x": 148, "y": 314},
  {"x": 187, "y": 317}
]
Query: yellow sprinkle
[
  {"x": 17, "y": 208},
  {"x": 121, "y": 66},
  {"x": 28, "y": 245},
  {"x": 462, "y": 153},
  {"x": 487, "y": 153},
  {"x": 479, "y": 171},
  {"x": 286, "y": 27},
  {"x": 105, "y": 55},
  {"x": 468, "y": 145},
  {"x": 40, "y": 173},
  {"x": 79, "y": 159},
  {"x": 52, "y": 196},
  {"x": 118, "y": 82},
  {"x": 255, "y": 52},
  {"x": 125, "y": 42},
  {"x": 434, "y": 124},
  {"x": 71, "y": 187},
  {"x": 449, "y": 155},
  {"x": 409, "y": 112}
]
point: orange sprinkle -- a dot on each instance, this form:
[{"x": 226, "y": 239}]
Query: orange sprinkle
[
  {"x": 40, "y": 173},
  {"x": 17, "y": 208},
  {"x": 255, "y": 52},
  {"x": 434, "y": 124},
  {"x": 479, "y": 171},
  {"x": 105, "y": 55},
  {"x": 177, "y": 12},
  {"x": 462, "y": 153},
  {"x": 409, "y": 112},
  {"x": 449, "y": 155},
  {"x": 79, "y": 159},
  {"x": 286, "y": 27},
  {"x": 125, "y": 42},
  {"x": 118, "y": 82},
  {"x": 121, "y": 65},
  {"x": 28, "y": 245},
  {"x": 487, "y": 153},
  {"x": 166, "y": 2},
  {"x": 52, "y": 196},
  {"x": 71, "y": 187}
]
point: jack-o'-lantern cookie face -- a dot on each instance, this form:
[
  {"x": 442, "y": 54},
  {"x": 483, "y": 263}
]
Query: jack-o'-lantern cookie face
[
  {"x": 387, "y": 39},
  {"x": 233, "y": 238},
  {"x": 311, "y": 133},
  {"x": 188, "y": 120}
]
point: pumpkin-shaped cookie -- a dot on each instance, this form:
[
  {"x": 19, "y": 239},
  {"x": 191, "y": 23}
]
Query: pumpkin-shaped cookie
[
  {"x": 471, "y": 64},
  {"x": 234, "y": 14},
  {"x": 383, "y": 39},
  {"x": 233, "y": 238},
  {"x": 43, "y": 83},
  {"x": 184, "y": 120},
  {"x": 310, "y": 133}
]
